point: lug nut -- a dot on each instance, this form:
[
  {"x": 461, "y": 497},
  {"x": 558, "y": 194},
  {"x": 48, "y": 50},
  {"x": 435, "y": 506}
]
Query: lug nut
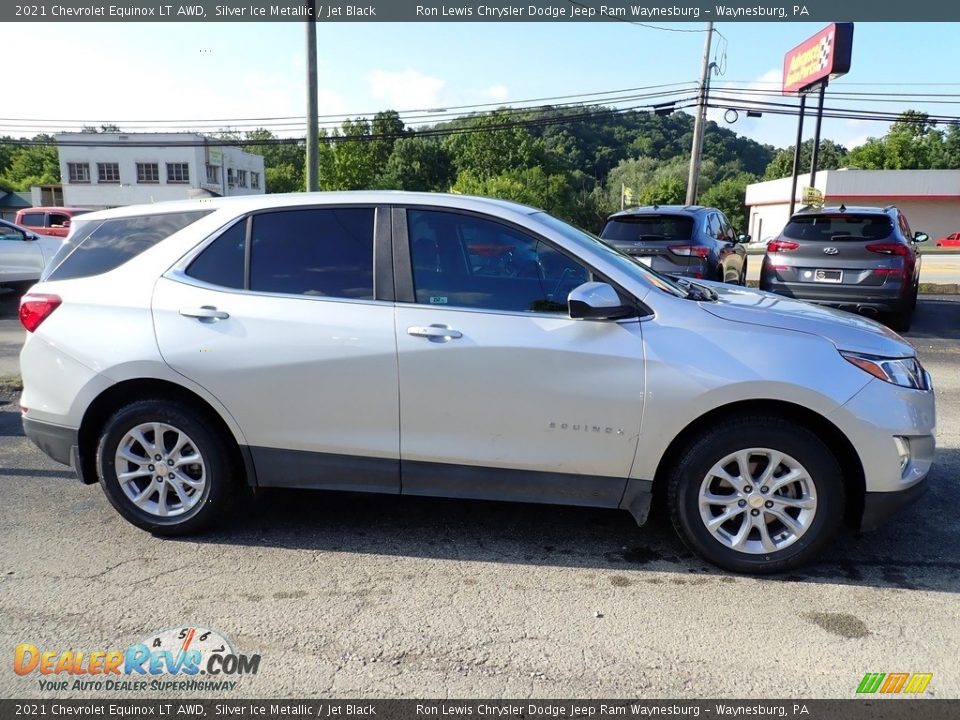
[
  {"x": 747, "y": 489},
  {"x": 159, "y": 479},
  {"x": 764, "y": 489},
  {"x": 769, "y": 503},
  {"x": 754, "y": 512},
  {"x": 171, "y": 476},
  {"x": 158, "y": 458},
  {"x": 150, "y": 468},
  {"x": 170, "y": 463},
  {"x": 742, "y": 503}
]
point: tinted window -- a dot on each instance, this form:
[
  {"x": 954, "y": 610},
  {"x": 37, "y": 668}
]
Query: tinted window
[
  {"x": 320, "y": 251},
  {"x": 833, "y": 228},
  {"x": 466, "y": 261},
  {"x": 221, "y": 262},
  {"x": 32, "y": 219},
  {"x": 8, "y": 232},
  {"x": 58, "y": 219},
  {"x": 100, "y": 247},
  {"x": 649, "y": 227}
]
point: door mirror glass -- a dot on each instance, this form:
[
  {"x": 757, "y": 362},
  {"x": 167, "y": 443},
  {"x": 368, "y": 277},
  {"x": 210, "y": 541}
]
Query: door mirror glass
[
  {"x": 597, "y": 301},
  {"x": 921, "y": 237},
  {"x": 743, "y": 238}
]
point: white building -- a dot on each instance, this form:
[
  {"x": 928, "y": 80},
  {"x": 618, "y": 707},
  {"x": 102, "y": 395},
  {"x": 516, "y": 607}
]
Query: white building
[
  {"x": 929, "y": 198},
  {"x": 100, "y": 170}
]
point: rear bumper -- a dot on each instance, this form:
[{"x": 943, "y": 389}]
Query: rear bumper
[
  {"x": 878, "y": 507},
  {"x": 57, "y": 442},
  {"x": 878, "y": 298}
]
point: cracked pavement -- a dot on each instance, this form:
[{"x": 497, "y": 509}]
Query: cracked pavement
[{"x": 374, "y": 596}]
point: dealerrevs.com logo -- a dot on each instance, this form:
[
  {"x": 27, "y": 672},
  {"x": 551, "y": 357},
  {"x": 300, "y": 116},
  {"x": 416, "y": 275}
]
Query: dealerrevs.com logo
[{"x": 185, "y": 658}]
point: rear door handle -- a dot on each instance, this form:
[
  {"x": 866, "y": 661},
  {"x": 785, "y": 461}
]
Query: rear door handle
[
  {"x": 206, "y": 312},
  {"x": 440, "y": 333}
]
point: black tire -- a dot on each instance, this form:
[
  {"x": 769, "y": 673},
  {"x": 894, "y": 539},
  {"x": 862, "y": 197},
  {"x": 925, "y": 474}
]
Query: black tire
[
  {"x": 218, "y": 474},
  {"x": 774, "y": 433},
  {"x": 902, "y": 319}
]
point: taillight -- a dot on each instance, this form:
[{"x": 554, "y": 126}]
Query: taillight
[
  {"x": 690, "y": 251},
  {"x": 890, "y": 271},
  {"x": 35, "y": 308},
  {"x": 782, "y": 245},
  {"x": 888, "y": 248}
]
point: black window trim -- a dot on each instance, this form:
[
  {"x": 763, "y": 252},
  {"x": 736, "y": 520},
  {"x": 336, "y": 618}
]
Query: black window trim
[
  {"x": 403, "y": 270},
  {"x": 382, "y": 241}
]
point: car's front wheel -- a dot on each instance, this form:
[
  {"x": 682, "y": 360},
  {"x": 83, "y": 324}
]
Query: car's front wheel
[
  {"x": 759, "y": 495},
  {"x": 163, "y": 468}
]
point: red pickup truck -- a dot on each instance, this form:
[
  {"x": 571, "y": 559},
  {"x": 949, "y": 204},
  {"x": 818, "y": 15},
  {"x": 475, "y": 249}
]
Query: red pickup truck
[{"x": 53, "y": 221}]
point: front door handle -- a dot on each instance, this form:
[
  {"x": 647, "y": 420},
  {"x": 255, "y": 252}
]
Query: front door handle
[
  {"x": 206, "y": 312},
  {"x": 437, "y": 333}
]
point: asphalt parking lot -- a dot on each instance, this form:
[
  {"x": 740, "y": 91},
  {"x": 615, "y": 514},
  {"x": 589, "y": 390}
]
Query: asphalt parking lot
[{"x": 365, "y": 596}]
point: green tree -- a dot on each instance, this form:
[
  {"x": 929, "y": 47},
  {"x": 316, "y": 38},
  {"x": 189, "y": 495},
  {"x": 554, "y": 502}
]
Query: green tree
[
  {"x": 830, "y": 157},
  {"x": 418, "y": 164},
  {"x": 32, "y": 165},
  {"x": 488, "y": 146},
  {"x": 552, "y": 192},
  {"x": 728, "y": 195},
  {"x": 665, "y": 191}
]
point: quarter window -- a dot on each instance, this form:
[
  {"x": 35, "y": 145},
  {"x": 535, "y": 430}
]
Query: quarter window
[
  {"x": 221, "y": 262},
  {"x": 78, "y": 172},
  {"x": 466, "y": 261},
  {"x": 325, "y": 252}
]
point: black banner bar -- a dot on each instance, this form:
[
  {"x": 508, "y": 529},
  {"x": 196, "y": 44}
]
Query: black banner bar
[
  {"x": 899, "y": 708},
  {"x": 644, "y": 11}
]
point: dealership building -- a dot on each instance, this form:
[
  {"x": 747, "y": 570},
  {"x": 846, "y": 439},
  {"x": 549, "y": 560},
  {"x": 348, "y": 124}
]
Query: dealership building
[{"x": 929, "y": 198}]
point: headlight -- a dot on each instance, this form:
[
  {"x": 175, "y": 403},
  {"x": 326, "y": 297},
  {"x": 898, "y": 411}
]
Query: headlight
[{"x": 905, "y": 372}]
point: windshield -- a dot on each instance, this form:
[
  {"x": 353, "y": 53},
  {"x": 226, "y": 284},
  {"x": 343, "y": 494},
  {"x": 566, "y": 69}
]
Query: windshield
[
  {"x": 622, "y": 261},
  {"x": 831, "y": 228},
  {"x": 648, "y": 227}
]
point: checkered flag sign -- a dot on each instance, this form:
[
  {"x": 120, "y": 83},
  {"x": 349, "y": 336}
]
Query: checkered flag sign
[{"x": 825, "y": 43}]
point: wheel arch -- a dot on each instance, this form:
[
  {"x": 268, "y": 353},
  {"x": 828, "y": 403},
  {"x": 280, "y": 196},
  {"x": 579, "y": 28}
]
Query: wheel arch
[
  {"x": 126, "y": 391},
  {"x": 828, "y": 432}
]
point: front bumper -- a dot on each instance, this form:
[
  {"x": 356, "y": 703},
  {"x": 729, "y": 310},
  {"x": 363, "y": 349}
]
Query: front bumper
[{"x": 878, "y": 507}]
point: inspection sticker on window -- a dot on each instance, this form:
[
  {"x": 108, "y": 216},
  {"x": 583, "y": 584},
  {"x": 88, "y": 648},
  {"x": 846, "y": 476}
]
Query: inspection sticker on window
[{"x": 438, "y": 299}]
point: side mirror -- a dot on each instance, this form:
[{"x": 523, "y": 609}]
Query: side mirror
[
  {"x": 597, "y": 301},
  {"x": 920, "y": 237},
  {"x": 743, "y": 238}
]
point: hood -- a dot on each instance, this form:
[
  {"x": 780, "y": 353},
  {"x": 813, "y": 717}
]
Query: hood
[{"x": 845, "y": 330}]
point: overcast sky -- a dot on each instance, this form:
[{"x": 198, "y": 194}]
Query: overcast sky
[{"x": 123, "y": 72}]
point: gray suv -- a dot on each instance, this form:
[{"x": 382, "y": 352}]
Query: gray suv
[
  {"x": 683, "y": 241},
  {"x": 862, "y": 259}
]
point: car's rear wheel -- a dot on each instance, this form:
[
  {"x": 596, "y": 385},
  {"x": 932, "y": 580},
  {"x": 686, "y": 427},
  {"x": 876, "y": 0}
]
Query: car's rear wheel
[
  {"x": 163, "y": 468},
  {"x": 760, "y": 495}
]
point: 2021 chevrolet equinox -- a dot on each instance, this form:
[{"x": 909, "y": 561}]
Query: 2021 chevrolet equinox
[{"x": 444, "y": 345}]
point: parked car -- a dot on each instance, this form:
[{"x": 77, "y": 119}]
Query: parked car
[
  {"x": 681, "y": 241},
  {"x": 23, "y": 255},
  {"x": 862, "y": 259},
  {"x": 374, "y": 341},
  {"x": 53, "y": 221},
  {"x": 951, "y": 240}
]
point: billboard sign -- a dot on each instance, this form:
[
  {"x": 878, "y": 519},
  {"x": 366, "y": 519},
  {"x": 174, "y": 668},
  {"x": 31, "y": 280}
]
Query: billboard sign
[{"x": 822, "y": 57}]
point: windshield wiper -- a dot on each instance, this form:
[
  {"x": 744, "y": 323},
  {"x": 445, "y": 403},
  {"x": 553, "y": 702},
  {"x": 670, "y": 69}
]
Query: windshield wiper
[{"x": 697, "y": 292}]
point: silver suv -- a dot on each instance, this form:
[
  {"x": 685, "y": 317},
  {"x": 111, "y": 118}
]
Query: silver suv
[{"x": 463, "y": 347}]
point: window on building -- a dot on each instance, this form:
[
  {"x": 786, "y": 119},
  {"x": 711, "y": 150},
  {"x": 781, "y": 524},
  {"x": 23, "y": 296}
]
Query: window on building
[
  {"x": 255, "y": 180},
  {"x": 148, "y": 173},
  {"x": 241, "y": 178},
  {"x": 231, "y": 180},
  {"x": 78, "y": 172},
  {"x": 213, "y": 174},
  {"x": 178, "y": 173},
  {"x": 108, "y": 172}
]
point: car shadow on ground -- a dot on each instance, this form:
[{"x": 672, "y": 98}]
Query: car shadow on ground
[
  {"x": 936, "y": 318},
  {"x": 917, "y": 549}
]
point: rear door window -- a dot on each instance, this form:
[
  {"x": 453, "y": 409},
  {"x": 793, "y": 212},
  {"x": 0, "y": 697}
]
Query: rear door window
[
  {"x": 839, "y": 228},
  {"x": 102, "y": 246},
  {"x": 648, "y": 227},
  {"x": 326, "y": 252}
]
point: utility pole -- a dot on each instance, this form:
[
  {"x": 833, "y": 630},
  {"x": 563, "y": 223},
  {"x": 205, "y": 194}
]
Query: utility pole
[
  {"x": 313, "y": 131},
  {"x": 693, "y": 179}
]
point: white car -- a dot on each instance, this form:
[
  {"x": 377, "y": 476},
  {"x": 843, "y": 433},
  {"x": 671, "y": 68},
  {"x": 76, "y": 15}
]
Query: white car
[
  {"x": 422, "y": 344},
  {"x": 23, "y": 255}
]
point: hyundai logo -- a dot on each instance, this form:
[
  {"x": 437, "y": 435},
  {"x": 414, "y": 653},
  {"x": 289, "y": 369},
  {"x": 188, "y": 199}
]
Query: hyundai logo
[{"x": 830, "y": 251}]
